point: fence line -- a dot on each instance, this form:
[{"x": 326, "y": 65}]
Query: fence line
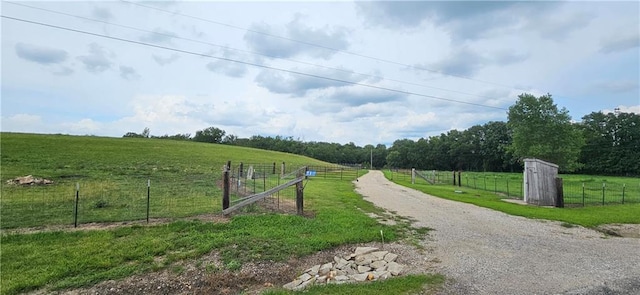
[
  {"x": 141, "y": 197},
  {"x": 576, "y": 193}
]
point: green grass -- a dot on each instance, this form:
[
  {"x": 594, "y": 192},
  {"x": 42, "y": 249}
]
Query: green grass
[
  {"x": 589, "y": 216},
  {"x": 411, "y": 284},
  {"x": 73, "y": 259},
  {"x": 113, "y": 174},
  {"x": 511, "y": 184}
]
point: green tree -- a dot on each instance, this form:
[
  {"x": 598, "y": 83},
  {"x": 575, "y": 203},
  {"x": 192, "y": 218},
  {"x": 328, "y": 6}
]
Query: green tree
[
  {"x": 612, "y": 143},
  {"x": 541, "y": 130},
  {"x": 211, "y": 135}
]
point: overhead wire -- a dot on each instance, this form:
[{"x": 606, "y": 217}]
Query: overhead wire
[
  {"x": 247, "y": 63},
  {"x": 319, "y": 45},
  {"x": 242, "y": 50}
]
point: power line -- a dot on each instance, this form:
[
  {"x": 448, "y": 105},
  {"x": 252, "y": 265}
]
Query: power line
[
  {"x": 248, "y": 63},
  {"x": 241, "y": 50},
  {"x": 319, "y": 45}
]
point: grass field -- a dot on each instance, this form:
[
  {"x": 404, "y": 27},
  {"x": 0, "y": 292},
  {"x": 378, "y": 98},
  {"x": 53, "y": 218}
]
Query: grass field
[
  {"x": 589, "y": 216},
  {"x": 63, "y": 259},
  {"x": 578, "y": 189},
  {"x": 113, "y": 174}
]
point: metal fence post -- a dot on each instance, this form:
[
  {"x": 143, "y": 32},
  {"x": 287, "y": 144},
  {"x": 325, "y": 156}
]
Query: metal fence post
[
  {"x": 507, "y": 187},
  {"x": 148, "y": 197},
  {"x": 583, "y": 194},
  {"x": 75, "y": 210},
  {"x": 603, "y": 193}
]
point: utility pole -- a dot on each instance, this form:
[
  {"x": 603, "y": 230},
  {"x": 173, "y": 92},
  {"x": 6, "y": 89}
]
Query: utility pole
[{"x": 371, "y": 158}]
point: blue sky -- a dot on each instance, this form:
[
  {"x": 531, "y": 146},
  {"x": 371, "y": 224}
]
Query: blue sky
[{"x": 420, "y": 68}]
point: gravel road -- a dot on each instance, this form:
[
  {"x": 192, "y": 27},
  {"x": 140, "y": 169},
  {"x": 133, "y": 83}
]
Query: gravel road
[{"x": 484, "y": 251}]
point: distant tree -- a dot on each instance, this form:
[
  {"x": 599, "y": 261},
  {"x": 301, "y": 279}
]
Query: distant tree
[
  {"x": 146, "y": 132},
  {"x": 541, "y": 130},
  {"x": 612, "y": 143},
  {"x": 179, "y": 136},
  {"x": 132, "y": 134},
  {"x": 230, "y": 139},
  {"x": 211, "y": 135}
]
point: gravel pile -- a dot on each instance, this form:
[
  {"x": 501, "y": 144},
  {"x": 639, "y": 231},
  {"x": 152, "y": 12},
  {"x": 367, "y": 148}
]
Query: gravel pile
[{"x": 483, "y": 251}]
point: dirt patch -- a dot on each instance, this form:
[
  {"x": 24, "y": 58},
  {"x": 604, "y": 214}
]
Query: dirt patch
[
  {"x": 621, "y": 230},
  {"x": 217, "y": 218},
  {"x": 207, "y": 275}
]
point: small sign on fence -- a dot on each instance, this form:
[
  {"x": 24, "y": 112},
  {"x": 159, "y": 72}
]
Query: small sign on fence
[{"x": 310, "y": 173}]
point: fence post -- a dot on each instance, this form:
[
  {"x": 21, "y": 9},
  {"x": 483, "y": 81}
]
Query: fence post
[
  {"x": 474, "y": 182},
  {"x": 583, "y": 194},
  {"x": 225, "y": 186},
  {"x": 264, "y": 180},
  {"x": 507, "y": 187},
  {"x": 148, "y": 197},
  {"x": 560, "y": 193},
  {"x": 454, "y": 178},
  {"x": 495, "y": 184},
  {"x": 274, "y": 168},
  {"x": 75, "y": 209},
  {"x": 300, "y": 193},
  {"x": 413, "y": 175},
  {"x": 340, "y": 172},
  {"x": 623, "y": 186},
  {"x": 282, "y": 170},
  {"x": 459, "y": 178},
  {"x": 241, "y": 170},
  {"x": 603, "y": 193},
  {"x": 485, "y": 182}
]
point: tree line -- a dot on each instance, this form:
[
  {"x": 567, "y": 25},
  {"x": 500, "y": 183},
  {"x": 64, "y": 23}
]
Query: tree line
[{"x": 536, "y": 128}]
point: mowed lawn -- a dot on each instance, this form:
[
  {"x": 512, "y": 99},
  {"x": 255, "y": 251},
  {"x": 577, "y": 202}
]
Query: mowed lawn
[{"x": 54, "y": 260}]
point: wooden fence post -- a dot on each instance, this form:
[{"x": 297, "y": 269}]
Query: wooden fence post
[
  {"x": 560, "y": 193},
  {"x": 459, "y": 179},
  {"x": 454, "y": 178},
  {"x": 225, "y": 186},
  {"x": 300, "y": 193}
]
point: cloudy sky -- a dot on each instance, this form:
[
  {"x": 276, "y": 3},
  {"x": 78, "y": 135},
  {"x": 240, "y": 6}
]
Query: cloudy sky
[{"x": 362, "y": 72}]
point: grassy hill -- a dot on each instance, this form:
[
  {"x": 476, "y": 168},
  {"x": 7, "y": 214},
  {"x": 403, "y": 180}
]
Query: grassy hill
[
  {"x": 112, "y": 175},
  {"x": 63, "y": 156},
  {"x": 184, "y": 174}
]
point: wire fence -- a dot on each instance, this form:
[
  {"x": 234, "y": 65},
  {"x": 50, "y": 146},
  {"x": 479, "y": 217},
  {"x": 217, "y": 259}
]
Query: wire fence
[
  {"x": 510, "y": 185},
  {"x": 79, "y": 200}
]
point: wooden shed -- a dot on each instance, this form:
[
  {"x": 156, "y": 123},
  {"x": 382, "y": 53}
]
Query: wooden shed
[{"x": 540, "y": 182}]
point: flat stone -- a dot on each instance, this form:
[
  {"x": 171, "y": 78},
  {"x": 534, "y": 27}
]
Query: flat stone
[
  {"x": 305, "y": 277},
  {"x": 341, "y": 264},
  {"x": 313, "y": 270},
  {"x": 390, "y": 257},
  {"x": 362, "y": 269},
  {"x": 293, "y": 284},
  {"x": 321, "y": 280},
  {"x": 325, "y": 268},
  {"x": 361, "y": 277},
  {"x": 303, "y": 285},
  {"x": 364, "y": 250},
  {"x": 379, "y": 255},
  {"x": 341, "y": 278},
  {"x": 395, "y": 268},
  {"x": 378, "y": 264},
  {"x": 363, "y": 260},
  {"x": 381, "y": 275}
]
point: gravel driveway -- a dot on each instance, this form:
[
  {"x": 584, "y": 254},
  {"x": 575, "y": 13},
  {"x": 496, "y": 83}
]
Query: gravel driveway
[{"x": 484, "y": 251}]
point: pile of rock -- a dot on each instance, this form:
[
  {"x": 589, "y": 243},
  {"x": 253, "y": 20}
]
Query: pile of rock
[
  {"x": 29, "y": 180},
  {"x": 365, "y": 264}
]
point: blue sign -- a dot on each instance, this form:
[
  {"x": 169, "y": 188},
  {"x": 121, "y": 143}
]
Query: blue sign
[{"x": 310, "y": 173}]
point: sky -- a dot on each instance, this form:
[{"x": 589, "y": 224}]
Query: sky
[{"x": 361, "y": 72}]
